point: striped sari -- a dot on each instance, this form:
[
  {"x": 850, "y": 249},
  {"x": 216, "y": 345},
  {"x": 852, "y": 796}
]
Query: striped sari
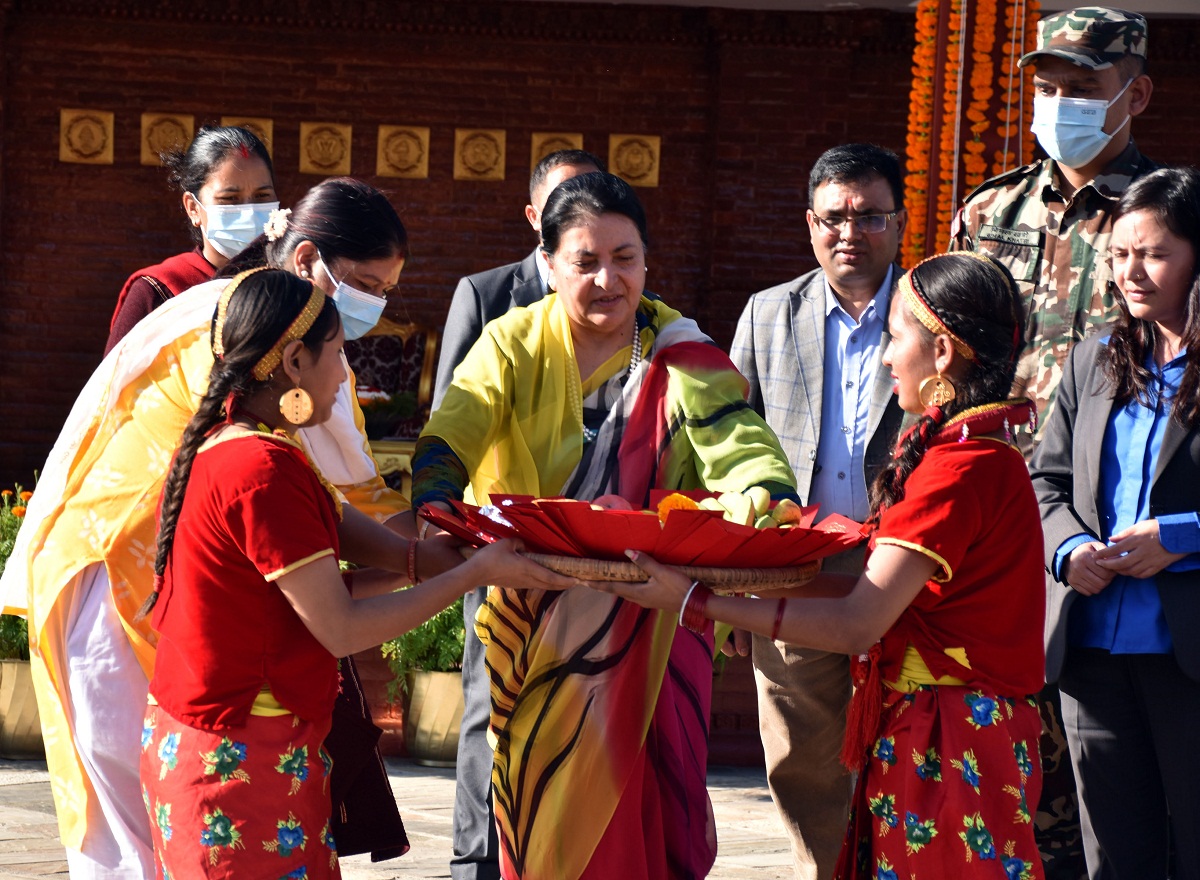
[{"x": 599, "y": 707}]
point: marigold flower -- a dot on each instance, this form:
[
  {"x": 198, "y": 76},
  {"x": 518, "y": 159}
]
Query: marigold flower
[
  {"x": 18, "y": 511},
  {"x": 25, "y": 496},
  {"x": 675, "y": 501}
]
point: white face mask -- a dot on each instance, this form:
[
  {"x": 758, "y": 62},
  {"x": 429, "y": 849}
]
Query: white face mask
[
  {"x": 360, "y": 311},
  {"x": 1071, "y": 130},
  {"x": 229, "y": 228}
]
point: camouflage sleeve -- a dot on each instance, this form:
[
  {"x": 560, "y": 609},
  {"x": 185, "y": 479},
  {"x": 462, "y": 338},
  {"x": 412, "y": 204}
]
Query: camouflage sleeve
[{"x": 960, "y": 236}]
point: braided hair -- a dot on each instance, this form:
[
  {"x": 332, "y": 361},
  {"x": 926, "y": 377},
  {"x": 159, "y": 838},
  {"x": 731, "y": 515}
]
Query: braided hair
[
  {"x": 261, "y": 307},
  {"x": 976, "y": 299}
]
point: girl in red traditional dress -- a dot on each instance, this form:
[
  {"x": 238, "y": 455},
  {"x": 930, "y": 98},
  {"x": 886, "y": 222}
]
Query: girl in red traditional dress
[
  {"x": 228, "y": 190},
  {"x": 251, "y": 608},
  {"x": 948, "y": 615}
]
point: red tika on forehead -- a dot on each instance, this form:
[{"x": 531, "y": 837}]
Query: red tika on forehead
[{"x": 245, "y": 151}]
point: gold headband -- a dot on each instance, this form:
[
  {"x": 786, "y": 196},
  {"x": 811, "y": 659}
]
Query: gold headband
[
  {"x": 925, "y": 313},
  {"x": 301, "y": 325},
  {"x": 218, "y": 340}
]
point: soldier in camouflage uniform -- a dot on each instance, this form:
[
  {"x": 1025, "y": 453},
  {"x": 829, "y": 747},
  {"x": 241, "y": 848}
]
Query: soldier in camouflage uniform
[{"x": 1050, "y": 224}]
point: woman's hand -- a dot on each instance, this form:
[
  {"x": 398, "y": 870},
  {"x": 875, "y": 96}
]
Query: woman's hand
[
  {"x": 664, "y": 588},
  {"x": 499, "y": 564},
  {"x": 1084, "y": 574},
  {"x": 1136, "y": 552}
]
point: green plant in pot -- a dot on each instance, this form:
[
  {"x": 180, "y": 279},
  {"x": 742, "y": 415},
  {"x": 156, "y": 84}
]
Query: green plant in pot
[
  {"x": 383, "y": 413},
  {"x": 426, "y": 663},
  {"x": 20, "y": 731},
  {"x": 14, "y": 635}
]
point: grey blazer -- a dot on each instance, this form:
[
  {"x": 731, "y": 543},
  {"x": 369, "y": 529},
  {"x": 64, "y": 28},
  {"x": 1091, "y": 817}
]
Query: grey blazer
[
  {"x": 779, "y": 347},
  {"x": 1066, "y": 477},
  {"x": 478, "y": 299}
]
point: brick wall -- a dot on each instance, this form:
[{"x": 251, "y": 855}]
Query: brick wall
[{"x": 744, "y": 102}]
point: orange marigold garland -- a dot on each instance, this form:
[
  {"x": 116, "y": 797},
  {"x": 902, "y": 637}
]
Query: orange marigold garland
[
  {"x": 1032, "y": 8},
  {"x": 983, "y": 40},
  {"x": 920, "y": 120},
  {"x": 947, "y": 191},
  {"x": 986, "y": 104},
  {"x": 1016, "y": 104}
]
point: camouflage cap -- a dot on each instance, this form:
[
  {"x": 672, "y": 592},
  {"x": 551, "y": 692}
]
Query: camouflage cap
[{"x": 1091, "y": 36}]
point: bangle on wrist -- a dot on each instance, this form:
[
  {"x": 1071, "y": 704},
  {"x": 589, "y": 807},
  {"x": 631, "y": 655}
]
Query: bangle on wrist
[
  {"x": 422, "y": 528},
  {"x": 687, "y": 597},
  {"x": 778, "y": 620},
  {"x": 412, "y": 562},
  {"x": 691, "y": 615}
]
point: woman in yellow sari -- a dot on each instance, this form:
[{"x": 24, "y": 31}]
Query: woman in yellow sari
[
  {"x": 599, "y": 708},
  {"x": 83, "y": 565}
]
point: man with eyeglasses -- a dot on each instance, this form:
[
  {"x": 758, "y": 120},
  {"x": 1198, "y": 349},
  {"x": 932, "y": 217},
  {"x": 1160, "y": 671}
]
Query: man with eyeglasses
[
  {"x": 811, "y": 350},
  {"x": 1050, "y": 222}
]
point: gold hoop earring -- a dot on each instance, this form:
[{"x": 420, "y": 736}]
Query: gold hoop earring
[
  {"x": 936, "y": 391},
  {"x": 296, "y": 406}
]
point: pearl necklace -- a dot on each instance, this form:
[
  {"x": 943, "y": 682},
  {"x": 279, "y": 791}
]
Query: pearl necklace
[{"x": 635, "y": 358}]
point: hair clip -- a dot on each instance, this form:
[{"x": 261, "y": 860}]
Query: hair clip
[{"x": 277, "y": 223}]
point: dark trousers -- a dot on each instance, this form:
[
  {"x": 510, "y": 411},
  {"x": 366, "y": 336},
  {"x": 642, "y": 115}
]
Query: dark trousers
[
  {"x": 1133, "y": 725},
  {"x": 475, "y": 847}
]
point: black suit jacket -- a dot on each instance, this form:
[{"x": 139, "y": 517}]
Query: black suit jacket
[
  {"x": 480, "y": 298},
  {"x": 1066, "y": 477}
]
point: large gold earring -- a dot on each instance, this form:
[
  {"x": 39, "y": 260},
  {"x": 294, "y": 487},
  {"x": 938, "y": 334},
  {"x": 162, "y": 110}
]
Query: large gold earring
[
  {"x": 296, "y": 406},
  {"x": 936, "y": 391}
]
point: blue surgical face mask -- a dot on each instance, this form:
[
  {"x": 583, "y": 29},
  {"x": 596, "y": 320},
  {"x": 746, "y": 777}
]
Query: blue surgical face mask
[
  {"x": 360, "y": 310},
  {"x": 1071, "y": 130},
  {"x": 229, "y": 228}
]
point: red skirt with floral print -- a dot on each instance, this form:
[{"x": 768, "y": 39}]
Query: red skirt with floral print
[
  {"x": 250, "y": 801},
  {"x": 946, "y": 789}
]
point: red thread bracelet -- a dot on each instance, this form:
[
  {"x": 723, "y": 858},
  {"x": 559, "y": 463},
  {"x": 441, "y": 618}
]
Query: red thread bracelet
[{"x": 778, "y": 620}]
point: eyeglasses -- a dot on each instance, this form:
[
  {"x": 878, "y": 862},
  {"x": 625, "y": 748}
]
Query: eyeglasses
[{"x": 865, "y": 224}]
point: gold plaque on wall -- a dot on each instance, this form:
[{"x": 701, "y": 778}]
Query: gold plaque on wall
[
  {"x": 324, "y": 149},
  {"x": 635, "y": 157},
  {"x": 164, "y": 133},
  {"x": 544, "y": 143},
  {"x": 85, "y": 136},
  {"x": 403, "y": 151},
  {"x": 263, "y": 129},
  {"x": 478, "y": 154}
]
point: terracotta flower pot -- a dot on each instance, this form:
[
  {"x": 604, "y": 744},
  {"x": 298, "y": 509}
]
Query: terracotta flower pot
[
  {"x": 433, "y": 717},
  {"x": 20, "y": 729}
]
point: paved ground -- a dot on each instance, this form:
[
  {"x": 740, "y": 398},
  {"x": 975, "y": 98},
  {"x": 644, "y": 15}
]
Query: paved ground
[{"x": 752, "y": 842}]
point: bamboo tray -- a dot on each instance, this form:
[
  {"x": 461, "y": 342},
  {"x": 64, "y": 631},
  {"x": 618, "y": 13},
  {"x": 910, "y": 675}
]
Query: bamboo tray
[{"x": 720, "y": 580}]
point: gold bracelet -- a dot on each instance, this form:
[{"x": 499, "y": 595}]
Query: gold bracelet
[{"x": 412, "y": 562}]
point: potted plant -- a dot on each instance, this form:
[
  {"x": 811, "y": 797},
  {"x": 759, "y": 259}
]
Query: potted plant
[
  {"x": 426, "y": 663},
  {"x": 20, "y": 731},
  {"x": 383, "y": 412}
]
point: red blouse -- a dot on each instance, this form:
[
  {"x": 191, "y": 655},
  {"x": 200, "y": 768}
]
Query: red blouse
[
  {"x": 253, "y": 511},
  {"x": 970, "y": 506}
]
